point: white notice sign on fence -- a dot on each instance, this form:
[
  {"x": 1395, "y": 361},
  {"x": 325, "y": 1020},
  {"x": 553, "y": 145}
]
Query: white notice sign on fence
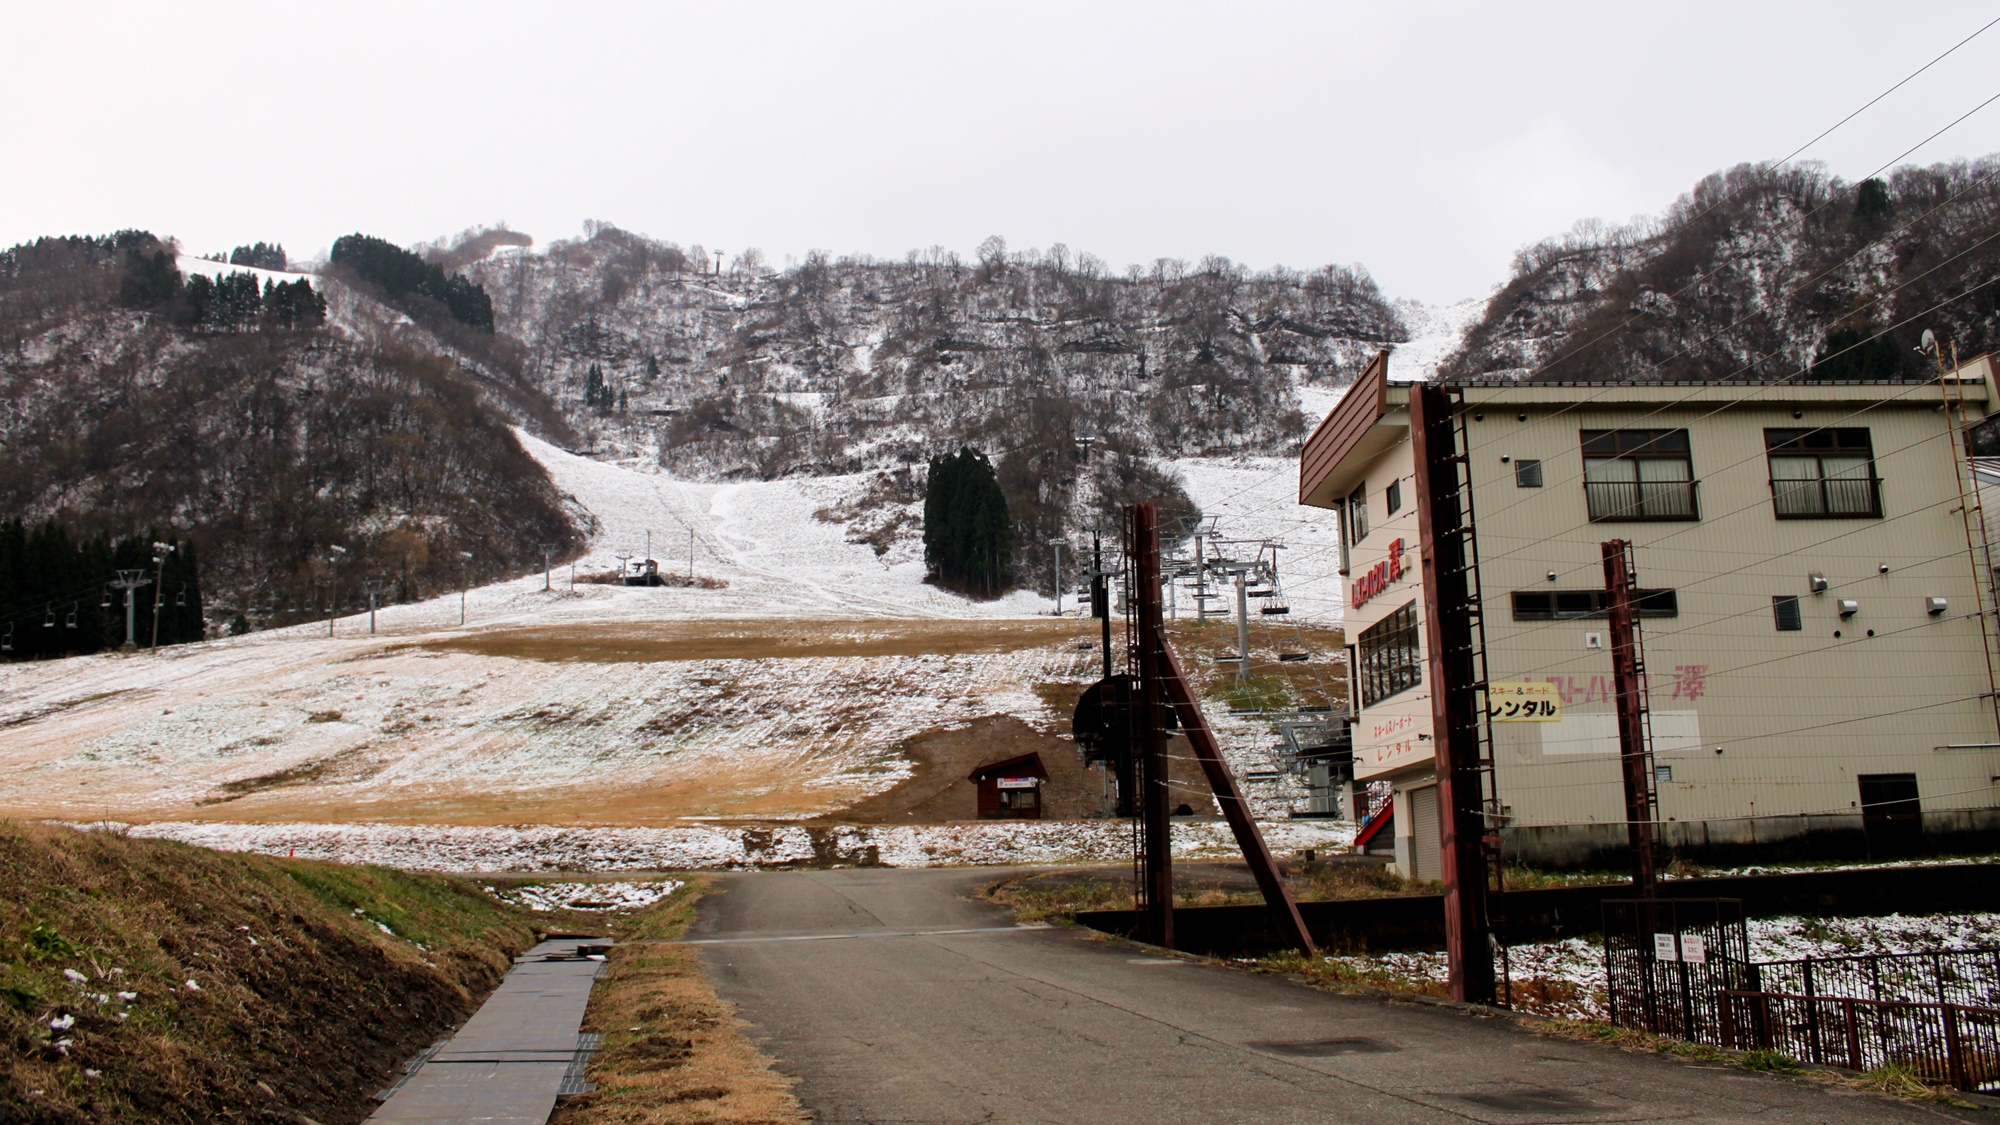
[
  {"x": 1694, "y": 949},
  {"x": 1664, "y": 948}
]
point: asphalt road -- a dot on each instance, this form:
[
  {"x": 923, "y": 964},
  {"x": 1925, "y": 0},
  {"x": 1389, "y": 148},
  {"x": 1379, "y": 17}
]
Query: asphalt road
[{"x": 848, "y": 982}]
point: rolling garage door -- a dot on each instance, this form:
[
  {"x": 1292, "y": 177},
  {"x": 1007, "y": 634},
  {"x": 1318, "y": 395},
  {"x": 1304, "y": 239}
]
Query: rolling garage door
[{"x": 1424, "y": 834}]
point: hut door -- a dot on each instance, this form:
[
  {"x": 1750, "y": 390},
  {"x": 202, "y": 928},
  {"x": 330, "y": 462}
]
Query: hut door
[{"x": 1891, "y": 814}]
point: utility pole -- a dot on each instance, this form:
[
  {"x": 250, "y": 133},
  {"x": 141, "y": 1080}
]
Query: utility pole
[
  {"x": 128, "y": 581},
  {"x": 1153, "y": 704},
  {"x": 690, "y": 554},
  {"x": 1454, "y": 696},
  {"x": 546, "y": 552},
  {"x": 334, "y": 552},
  {"x": 1055, "y": 572},
  {"x": 160, "y": 553},
  {"x": 371, "y": 586},
  {"x": 463, "y": 558},
  {"x": 1100, "y": 596},
  {"x": 1626, "y": 670}
]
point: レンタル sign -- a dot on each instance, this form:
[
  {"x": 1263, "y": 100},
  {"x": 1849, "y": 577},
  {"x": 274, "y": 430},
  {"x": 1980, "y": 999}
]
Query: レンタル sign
[{"x": 1523, "y": 701}]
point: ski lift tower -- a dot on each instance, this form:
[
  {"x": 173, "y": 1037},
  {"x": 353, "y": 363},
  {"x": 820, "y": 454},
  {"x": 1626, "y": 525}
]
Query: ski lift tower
[{"x": 128, "y": 581}]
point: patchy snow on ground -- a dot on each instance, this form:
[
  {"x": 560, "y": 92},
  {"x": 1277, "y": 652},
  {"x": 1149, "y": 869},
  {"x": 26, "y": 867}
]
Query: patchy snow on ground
[
  {"x": 587, "y": 896},
  {"x": 1579, "y": 962},
  {"x": 1257, "y": 498},
  {"x": 720, "y": 847}
]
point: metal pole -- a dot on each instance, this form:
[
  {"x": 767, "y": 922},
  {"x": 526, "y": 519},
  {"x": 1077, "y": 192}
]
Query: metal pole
[
  {"x": 1242, "y": 630},
  {"x": 1158, "y": 829},
  {"x": 1454, "y": 698},
  {"x": 690, "y": 554},
  {"x": 545, "y": 570},
  {"x": 371, "y": 609},
  {"x": 130, "y": 641},
  {"x": 1631, "y": 726}
]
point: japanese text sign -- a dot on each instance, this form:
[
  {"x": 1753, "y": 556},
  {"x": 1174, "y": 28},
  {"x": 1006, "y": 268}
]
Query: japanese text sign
[{"x": 1523, "y": 701}]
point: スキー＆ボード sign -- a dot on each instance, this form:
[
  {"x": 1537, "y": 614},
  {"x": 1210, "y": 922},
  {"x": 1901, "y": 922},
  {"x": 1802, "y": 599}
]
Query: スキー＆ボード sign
[{"x": 1523, "y": 701}]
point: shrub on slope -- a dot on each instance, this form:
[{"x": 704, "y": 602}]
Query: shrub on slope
[{"x": 143, "y": 981}]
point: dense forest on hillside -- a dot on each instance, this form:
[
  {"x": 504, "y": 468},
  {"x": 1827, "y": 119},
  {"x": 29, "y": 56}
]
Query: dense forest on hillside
[
  {"x": 1761, "y": 272},
  {"x": 268, "y": 443}
]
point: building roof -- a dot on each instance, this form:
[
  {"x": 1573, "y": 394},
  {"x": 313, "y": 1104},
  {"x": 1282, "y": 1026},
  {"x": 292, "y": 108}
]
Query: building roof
[{"x": 1027, "y": 765}]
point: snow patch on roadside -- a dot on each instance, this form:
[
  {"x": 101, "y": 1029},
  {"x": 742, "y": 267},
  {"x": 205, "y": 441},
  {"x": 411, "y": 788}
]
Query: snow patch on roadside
[{"x": 703, "y": 847}]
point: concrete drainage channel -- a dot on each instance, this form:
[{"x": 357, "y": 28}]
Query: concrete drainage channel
[{"x": 521, "y": 1052}]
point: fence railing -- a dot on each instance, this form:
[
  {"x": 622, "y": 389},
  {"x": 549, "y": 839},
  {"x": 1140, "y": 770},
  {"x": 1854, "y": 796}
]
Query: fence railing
[
  {"x": 1955, "y": 1044},
  {"x": 1967, "y": 977}
]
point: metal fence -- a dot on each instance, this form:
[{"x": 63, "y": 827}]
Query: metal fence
[
  {"x": 1668, "y": 960},
  {"x": 1948, "y": 1043},
  {"x": 1966, "y": 977}
]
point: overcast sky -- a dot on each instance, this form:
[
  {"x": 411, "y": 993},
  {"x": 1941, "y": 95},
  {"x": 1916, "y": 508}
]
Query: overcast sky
[{"x": 1425, "y": 141}]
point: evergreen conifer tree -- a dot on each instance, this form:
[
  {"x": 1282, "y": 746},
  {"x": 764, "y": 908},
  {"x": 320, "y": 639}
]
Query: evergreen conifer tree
[{"x": 968, "y": 537}]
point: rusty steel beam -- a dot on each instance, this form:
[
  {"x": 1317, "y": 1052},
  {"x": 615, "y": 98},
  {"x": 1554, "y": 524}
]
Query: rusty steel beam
[
  {"x": 1636, "y": 762},
  {"x": 1454, "y": 696},
  {"x": 1285, "y": 917},
  {"x": 1154, "y": 779}
]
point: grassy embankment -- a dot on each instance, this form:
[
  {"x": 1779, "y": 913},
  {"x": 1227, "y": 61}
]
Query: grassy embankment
[
  {"x": 672, "y": 1051},
  {"x": 144, "y": 981}
]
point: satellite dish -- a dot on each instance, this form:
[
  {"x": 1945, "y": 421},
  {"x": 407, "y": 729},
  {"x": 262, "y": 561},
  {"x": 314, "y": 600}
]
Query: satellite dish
[{"x": 1928, "y": 342}]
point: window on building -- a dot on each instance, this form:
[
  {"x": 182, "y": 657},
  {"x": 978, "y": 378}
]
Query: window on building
[
  {"x": 1819, "y": 474},
  {"x": 1638, "y": 475},
  {"x": 1528, "y": 473},
  {"x": 1389, "y": 656},
  {"x": 1785, "y": 610},
  {"x": 1392, "y": 498},
  {"x": 1357, "y": 514},
  {"x": 1564, "y": 605}
]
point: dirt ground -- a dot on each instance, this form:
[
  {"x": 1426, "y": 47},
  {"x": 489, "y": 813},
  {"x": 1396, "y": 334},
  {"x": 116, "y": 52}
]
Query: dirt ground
[{"x": 757, "y": 640}]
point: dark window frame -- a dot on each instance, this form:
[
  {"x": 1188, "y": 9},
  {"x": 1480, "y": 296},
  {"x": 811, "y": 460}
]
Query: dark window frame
[
  {"x": 1648, "y": 496},
  {"x": 1528, "y": 472},
  {"x": 1819, "y": 496},
  {"x": 1581, "y": 605},
  {"x": 1389, "y": 657},
  {"x": 1356, "y": 511},
  {"x": 1392, "y": 498},
  {"x": 1787, "y": 614}
]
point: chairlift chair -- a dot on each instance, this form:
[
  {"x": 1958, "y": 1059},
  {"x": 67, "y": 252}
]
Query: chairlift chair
[
  {"x": 181, "y": 598},
  {"x": 69, "y": 622},
  {"x": 7, "y": 639},
  {"x": 49, "y": 622},
  {"x": 104, "y": 602}
]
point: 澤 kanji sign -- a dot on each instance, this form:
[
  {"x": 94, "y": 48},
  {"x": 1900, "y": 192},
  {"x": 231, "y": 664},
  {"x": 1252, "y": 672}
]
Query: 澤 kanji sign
[
  {"x": 1523, "y": 701},
  {"x": 1378, "y": 577}
]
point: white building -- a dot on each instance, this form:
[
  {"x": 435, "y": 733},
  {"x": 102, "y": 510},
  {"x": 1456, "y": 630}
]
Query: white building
[{"x": 1818, "y": 662}]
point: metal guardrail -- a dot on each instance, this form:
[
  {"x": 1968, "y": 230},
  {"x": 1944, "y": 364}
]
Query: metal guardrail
[{"x": 1951, "y": 1043}]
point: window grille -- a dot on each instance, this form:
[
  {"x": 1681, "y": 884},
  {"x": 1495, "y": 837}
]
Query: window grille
[
  {"x": 1823, "y": 474},
  {"x": 1785, "y": 609},
  {"x": 1528, "y": 473},
  {"x": 1638, "y": 475},
  {"x": 1563, "y": 605},
  {"x": 1390, "y": 659}
]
